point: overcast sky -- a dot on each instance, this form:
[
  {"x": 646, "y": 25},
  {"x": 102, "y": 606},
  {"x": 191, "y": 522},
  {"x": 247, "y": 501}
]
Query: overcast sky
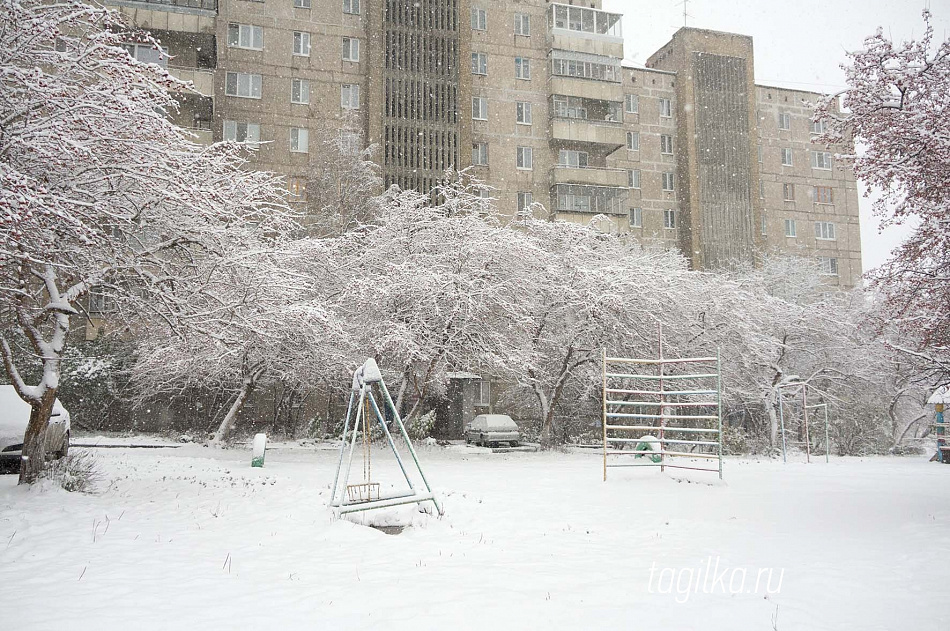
[{"x": 798, "y": 44}]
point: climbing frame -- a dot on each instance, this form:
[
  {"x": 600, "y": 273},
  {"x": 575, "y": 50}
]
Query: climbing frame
[{"x": 673, "y": 403}]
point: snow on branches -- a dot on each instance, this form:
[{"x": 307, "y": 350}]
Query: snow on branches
[
  {"x": 98, "y": 190},
  {"x": 898, "y": 99}
]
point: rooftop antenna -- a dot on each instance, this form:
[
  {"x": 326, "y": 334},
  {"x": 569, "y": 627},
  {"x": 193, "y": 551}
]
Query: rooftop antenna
[{"x": 686, "y": 14}]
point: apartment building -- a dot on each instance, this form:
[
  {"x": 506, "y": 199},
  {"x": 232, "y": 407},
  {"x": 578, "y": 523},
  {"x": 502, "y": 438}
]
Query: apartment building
[{"x": 687, "y": 152}]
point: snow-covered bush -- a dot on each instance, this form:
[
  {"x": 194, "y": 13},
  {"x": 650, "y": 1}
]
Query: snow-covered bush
[
  {"x": 78, "y": 471},
  {"x": 420, "y": 427}
]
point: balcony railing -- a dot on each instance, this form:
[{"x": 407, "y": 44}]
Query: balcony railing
[
  {"x": 574, "y": 198},
  {"x": 590, "y": 175},
  {"x": 172, "y": 5}
]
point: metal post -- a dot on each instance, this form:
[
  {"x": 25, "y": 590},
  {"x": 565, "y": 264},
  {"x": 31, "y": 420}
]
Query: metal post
[
  {"x": 659, "y": 343},
  {"x": 781, "y": 416},
  {"x": 346, "y": 426},
  {"x": 805, "y": 414},
  {"x": 827, "y": 442},
  {"x": 719, "y": 405},
  {"x": 604, "y": 400}
]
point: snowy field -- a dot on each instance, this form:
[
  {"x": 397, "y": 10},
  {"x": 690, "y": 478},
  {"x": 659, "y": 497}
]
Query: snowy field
[{"x": 193, "y": 538}]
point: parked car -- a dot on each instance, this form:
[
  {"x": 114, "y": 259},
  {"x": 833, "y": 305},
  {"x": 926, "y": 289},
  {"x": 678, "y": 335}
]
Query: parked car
[
  {"x": 15, "y": 416},
  {"x": 490, "y": 429}
]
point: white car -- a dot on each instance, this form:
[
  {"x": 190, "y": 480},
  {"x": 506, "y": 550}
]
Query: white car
[
  {"x": 488, "y": 429},
  {"x": 15, "y": 416}
]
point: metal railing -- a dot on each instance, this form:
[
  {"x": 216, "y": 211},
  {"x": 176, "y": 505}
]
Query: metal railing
[{"x": 204, "y": 5}]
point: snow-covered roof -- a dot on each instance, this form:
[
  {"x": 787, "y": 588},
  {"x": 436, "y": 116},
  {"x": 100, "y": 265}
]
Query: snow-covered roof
[
  {"x": 462, "y": 375},
  {"x": 940, "y": 395}
]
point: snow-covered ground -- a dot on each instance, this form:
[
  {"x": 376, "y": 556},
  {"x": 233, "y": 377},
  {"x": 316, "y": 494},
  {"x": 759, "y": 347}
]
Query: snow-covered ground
[{"x": 193, "y": 538}]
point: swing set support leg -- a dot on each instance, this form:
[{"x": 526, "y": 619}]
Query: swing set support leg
[
  {"x": 389, "y": 437},
  {"x": 339, "y": 465}
]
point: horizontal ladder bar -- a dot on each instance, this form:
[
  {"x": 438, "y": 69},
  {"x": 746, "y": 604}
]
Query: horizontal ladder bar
[
  {"x": 678, "y": 454},
  {"x": 665, "y": 428},
  {"x": 673, "y": 416},
  {"x": 673, "y": 404},
  {"x": 683, "y": 360},
  {"x": 660, "y": 393},
  {"x": 621, "y": 375},
  {"x": 659, "y": 464}
]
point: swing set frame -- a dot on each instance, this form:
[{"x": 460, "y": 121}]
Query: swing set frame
[{"x": 351, "y": 498}]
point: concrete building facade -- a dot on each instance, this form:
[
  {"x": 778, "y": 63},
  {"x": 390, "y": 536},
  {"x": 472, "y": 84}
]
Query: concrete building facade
[{"x": 687, "y": 152}]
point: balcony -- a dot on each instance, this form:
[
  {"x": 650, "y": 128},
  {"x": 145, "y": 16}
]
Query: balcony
[
  {"x": 590, "y": 176},
  {"x": 203, "y": 136},
  {"x": 185, "y": 16},
  {"x": 203, "y": 80},
  {"x": 579, "y": 130},
  {"x": 584, "y": 199},
  {"x": 585, "y": 30}
]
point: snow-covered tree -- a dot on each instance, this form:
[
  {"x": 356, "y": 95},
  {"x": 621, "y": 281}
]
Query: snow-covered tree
[
  {"x": 98, "y": 190},
  {"x": 344, "y": 185},
  {"x": 426, "y": 288},
  {"x": 898, "y": 104}
]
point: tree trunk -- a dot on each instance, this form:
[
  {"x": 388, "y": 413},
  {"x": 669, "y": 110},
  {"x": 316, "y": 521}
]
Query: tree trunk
[
  {"x": 33, "y": 457},
  {"x": 547, "y": 430},
  {"x": 228, "y": 421}
]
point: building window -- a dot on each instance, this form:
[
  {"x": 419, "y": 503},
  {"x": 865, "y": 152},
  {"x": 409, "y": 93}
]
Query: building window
[
  {"x": 790, "y": 230},
  {"x": 666, "y": 108},
  {"x": 479, "y": 108},
  {"x": 301, "y": 44},
  {"x": 480, "y": 154},
  {"x": 479, "y": 63},
  {"x": 242, "y": 84},
  {"x": 301, "y": 4},
  {"x": 819, "y": 127},
  {"x": 522, "y": 24},
  {"x": 765, "y": 226},
  {"x": 300, "y": 91},
  {"x": 573, "y": 159},
  {"x": 824, "y": 195},
  {"x": 788, "y": 192},
  {"x": 631, "y": 103},
  {"x": 669, "y": 218},
  {"x": 666, "y": 144},
  {"x": 483, "y": 393},
  {"x": 636, "y": 217},
  {"x": 633, "y": 178},
  {"x": 246, "y": 36},
  {"x": 784, "y": 120},
  {"x": 350, "y": 96},
  {"x": 786, "y": 157},
  {"x": 97, "y": 301},
  {"x": 828, "y": 266},
  {"x": 824, "y": 231},
  {"x": 351, "y": 6},
  {"x": 668, "y": 182},
  {"x": 760, "y": 153},
  {"x": 569, "y": 107},
  {"x": 524, "y": 201},
  {"x": 525, "y": 158},
  {"x": 479, "y": 19},
  {"x": 298, "y": 188},
  {"x": 522, "y": 68},
  {"x": 633, "y": 141},
  {"x": 351, "y": 49},
  {"x": 523, "y": 112},
  {"x": 299, "y": 140},
  {"x": 140, "y": 52},
  {"x": 820, "y": 160},
  {"x": 249, "y": 133},
  {"x": 761, "y": 189}
]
